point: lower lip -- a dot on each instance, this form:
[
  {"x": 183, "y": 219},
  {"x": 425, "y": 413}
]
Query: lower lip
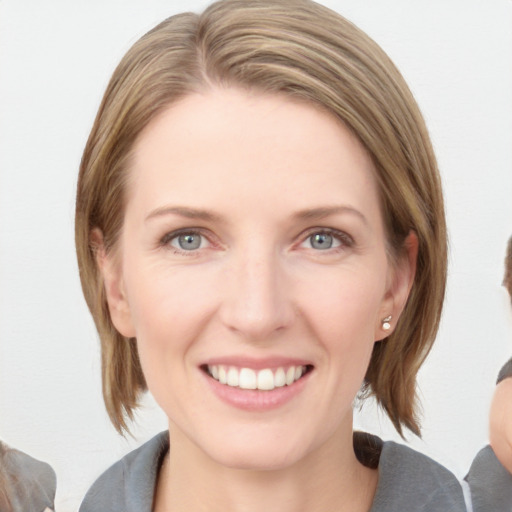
[{"x": 256, "y": 400}]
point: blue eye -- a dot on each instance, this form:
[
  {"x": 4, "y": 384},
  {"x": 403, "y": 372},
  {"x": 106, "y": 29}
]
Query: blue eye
[
  {"x": 187, "y": 241},
  {"x": 321, "y": 241},
  {"x": 325, "y": 239}
]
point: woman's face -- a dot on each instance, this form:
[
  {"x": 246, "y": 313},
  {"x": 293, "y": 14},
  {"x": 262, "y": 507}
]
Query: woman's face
[{"x": 252, "y": 270}]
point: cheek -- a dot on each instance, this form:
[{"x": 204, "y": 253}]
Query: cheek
[
  {"x": 160, "y": 297},
  {"x": 169, "y": 311},
  {"x": 346, "y": 304},
  {"x": 169, "y": 308}
]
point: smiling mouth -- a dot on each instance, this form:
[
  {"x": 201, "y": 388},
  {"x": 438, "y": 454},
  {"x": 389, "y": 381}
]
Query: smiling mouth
[{"x": 265, "y": 379}]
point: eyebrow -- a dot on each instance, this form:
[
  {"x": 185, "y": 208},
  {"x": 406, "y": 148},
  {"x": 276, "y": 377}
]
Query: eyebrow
[
  {"x": 326, "y": 211},
  {"x": 205, "y": 215},
  {"x": 183, "y": 211}
]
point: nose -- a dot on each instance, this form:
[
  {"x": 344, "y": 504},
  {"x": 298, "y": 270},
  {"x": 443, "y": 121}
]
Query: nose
[{"x": 258, "y": 302}]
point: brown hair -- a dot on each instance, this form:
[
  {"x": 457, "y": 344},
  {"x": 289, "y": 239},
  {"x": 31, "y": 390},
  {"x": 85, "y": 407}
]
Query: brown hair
[
  {"x": 25, "y": 483},
  {"x": 306, "y": 51},
  {"x": 507, "y": 278},
  {"x": 5, "y": 485}
]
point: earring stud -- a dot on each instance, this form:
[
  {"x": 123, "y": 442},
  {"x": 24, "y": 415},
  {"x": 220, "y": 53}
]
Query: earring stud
[{"x": 385, "y": 323}]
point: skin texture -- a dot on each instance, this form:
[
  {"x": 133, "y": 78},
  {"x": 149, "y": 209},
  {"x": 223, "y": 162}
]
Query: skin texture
[
  {"x": 501, "y": 423},
  {"x": 265, "y": 169}
]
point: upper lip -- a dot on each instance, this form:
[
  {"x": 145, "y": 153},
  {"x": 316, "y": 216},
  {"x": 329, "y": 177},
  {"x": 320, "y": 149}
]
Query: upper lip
[{"x": 257, "y": 363}]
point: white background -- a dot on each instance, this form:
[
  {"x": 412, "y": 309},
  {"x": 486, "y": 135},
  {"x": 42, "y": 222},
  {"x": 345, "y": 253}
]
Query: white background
[{"x": 55, "y": 60}]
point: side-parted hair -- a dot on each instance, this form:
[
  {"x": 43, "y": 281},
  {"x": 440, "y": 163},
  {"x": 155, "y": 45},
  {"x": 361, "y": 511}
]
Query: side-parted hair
[{"x": 309, "y": 53}]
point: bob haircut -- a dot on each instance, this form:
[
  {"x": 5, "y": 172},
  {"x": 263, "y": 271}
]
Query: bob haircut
[{"x": 309, "y": 53}]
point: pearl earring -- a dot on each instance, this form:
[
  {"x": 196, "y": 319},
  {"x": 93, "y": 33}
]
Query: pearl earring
[{"x": 385, "y": 323}]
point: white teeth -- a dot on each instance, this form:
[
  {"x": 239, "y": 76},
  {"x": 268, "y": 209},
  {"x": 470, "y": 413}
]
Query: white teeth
[
  {"x": 247, "y": 379},
  {"x": 264, "y": 380},
  {"x": 233, "y": 377},
  {"x": 279, "y": 378},
  {"x": 290, "y": 375}
]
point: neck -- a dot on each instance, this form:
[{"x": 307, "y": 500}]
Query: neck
[{"x": 330, "y": 479}]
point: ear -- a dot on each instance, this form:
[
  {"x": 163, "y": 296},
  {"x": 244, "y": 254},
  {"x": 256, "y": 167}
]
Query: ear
[
  {"x": 111, "y": 273},
  {"x": 400, "y": 281}
]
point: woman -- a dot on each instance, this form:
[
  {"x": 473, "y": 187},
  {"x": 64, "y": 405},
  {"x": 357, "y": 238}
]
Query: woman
[{"x": 260, "y": 234}]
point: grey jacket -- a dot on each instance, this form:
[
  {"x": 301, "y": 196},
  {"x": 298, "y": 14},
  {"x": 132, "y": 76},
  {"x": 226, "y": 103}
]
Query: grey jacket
[
  {"x": 408, "y": 481},
  {"x": 490, "y": 483}
]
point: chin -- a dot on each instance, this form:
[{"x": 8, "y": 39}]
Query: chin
[
  {"x": 258, "y": 453},
  {"x": 258, "y": 460}
]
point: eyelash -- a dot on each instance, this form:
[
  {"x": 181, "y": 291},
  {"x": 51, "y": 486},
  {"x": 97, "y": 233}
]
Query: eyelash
[
  {"x": 344, "y": 239},
  {"x": 166, "y": 240}
]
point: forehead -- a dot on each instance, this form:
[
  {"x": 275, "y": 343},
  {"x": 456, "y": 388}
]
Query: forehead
[{"x": 228, "y": 147}]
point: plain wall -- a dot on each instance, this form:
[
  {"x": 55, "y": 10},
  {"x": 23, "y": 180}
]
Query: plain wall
[{"x": 55, "y": 60}]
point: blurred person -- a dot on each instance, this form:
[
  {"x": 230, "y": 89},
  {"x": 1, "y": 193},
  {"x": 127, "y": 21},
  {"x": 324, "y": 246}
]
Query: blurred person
[
  {"x": 26, "y": 484},
  {"x": 490, "y": 475}
]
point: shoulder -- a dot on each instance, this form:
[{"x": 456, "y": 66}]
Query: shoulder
[
  {"x": 29, "y": 483},
  {"x": 129, "y": 484},
  {"x": 490, "y": 483},
  {"x": 505, "y": 372},
  {"x": 409, "y": 480}
]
